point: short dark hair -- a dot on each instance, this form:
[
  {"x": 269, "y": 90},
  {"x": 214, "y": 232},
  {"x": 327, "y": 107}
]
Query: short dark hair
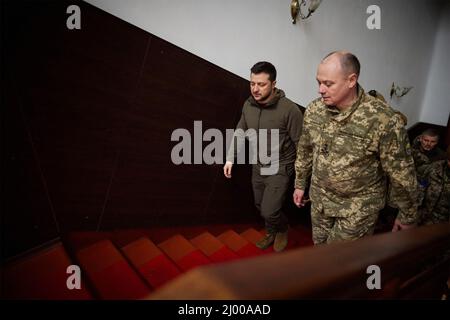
[
  {"x": 430, "y": 132},
  {"x": 349, "y": 62},
  {"x": 266, "y": 67}
]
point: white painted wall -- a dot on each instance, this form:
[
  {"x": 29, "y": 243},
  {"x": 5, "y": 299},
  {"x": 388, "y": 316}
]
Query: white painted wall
[
  {"x": 234, "y": 34},
  {"x": 436, "y": 104}
]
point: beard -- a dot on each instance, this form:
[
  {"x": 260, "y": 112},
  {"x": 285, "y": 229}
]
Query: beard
[{"x": 262, "y": 97}]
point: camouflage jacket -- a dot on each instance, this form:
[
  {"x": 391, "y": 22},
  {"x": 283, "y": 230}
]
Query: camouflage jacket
[
  {"x": 436, "y": 204},
  {"x": 349, "y": 154}
]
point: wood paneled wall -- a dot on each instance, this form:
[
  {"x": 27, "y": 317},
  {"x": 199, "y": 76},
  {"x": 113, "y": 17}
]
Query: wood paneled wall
[{"x": 87, "y": 118}]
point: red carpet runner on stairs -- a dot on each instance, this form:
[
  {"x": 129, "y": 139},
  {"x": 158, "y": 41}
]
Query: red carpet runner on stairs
[{"x": 131, "y": 264}]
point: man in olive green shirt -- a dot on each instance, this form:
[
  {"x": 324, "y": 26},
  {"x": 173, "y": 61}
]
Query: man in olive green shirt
[
  {"x": 351, "y": 142},
  {"x": 268, "y": 109}
]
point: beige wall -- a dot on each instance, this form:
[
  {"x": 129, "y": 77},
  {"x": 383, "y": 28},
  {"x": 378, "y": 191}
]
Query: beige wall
[{"x": 234, "y": 34}]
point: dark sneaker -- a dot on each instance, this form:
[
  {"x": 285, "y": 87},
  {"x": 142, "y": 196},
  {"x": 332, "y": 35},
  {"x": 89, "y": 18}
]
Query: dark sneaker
[
  {"x": 266, "y": 242},
  {"x": 281, "y": 241}
]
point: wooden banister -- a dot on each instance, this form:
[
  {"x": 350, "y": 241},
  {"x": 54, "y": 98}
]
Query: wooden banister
[{"x": 413, "y": 263}]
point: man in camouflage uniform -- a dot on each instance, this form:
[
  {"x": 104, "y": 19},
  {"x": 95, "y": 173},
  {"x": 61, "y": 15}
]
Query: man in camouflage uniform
[
  {"x": 425, "y": 151},
  {"x": 436, "y": 204},
  {"x": 351, "y": 142}
]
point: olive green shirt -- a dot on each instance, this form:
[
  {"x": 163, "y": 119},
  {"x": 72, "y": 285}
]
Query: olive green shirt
[{"x": 280, "y": 113}]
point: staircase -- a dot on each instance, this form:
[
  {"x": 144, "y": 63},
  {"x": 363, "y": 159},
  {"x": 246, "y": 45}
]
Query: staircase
[{"x": 131, "y": 264}]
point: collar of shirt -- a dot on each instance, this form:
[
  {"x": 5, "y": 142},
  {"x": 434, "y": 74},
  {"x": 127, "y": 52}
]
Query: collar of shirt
[{"x": 339, "y": 116}]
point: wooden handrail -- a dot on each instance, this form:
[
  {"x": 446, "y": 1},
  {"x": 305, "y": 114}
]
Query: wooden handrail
[{"x": 413, "y": 263}]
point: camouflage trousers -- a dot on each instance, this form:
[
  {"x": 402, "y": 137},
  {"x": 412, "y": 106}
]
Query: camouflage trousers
[
  {"x": 270, "y": 193},
  {"x": 328, "y": 229}
]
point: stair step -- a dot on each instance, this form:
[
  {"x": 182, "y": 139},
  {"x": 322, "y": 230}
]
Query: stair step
[
  {"x": 297, "y": 237},
  {"x": 110, "y": 273},
  {"x": 41, "y": 276},
  {"x": 293, "y": 237},
  {"x": 183, "y": 253},
  {"x": 238, "y": 244},
  {"x": 253, "y": 236},
  {"x": 150, "y": 261},
  {"x": 213, "y": 248}
]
